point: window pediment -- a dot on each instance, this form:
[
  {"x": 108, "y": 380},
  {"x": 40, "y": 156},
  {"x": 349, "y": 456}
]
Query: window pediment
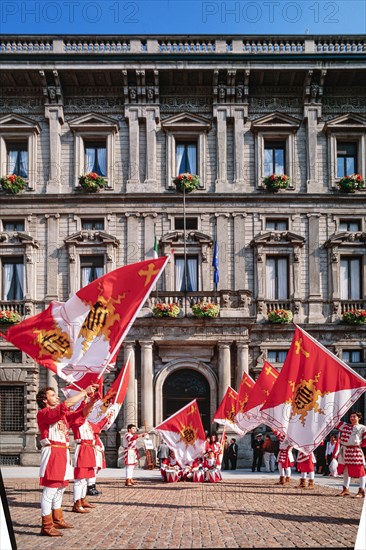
[
  {"x": 186, "y": 121},
  {"x": 18, "y": 124},
  {"x": 278, "y": 238},
  {"x": 192, "y": 237},
  {"x": 347, "y": 122},
  {"x": 345, "y": 238},
  {"x": 275, "y": 121},
  {"x": 18, "y": 238},
  {"x": 93, "y": 122},
  {"x": 91, "y": 238}
]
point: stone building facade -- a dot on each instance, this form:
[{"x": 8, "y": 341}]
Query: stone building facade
[{"x": 139, "y": 110}]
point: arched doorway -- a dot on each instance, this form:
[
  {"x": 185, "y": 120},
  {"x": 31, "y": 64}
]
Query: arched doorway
[{"x": 181, "y": 387}]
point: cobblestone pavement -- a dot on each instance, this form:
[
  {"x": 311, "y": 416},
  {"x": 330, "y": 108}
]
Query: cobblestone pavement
[{"x": 242, "y": 511}]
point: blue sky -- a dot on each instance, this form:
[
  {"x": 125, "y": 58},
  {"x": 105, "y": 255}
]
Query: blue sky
[{"x": 166, "y": 17}]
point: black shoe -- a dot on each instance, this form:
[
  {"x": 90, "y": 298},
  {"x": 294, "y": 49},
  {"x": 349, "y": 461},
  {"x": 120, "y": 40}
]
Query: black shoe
[{"x": 92, "y": 491}]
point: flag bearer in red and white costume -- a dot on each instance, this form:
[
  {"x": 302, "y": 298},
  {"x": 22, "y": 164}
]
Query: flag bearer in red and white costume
[
  {"x": 211, "y": 467},
  {"x": 305, "y": 465},
  {"x": 285, "y": 459},
  {"x": 351, "y": 460},
  {"x": 85, "y": 456},
  {"x": 56, "y": 470},
  {"x": 100, "y": 458},
  {"x": 131, "y": 453}
]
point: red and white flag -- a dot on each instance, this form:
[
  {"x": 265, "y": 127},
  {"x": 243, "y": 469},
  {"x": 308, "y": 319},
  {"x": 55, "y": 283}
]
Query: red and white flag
[
  {"x": 225, "y": 414},
  {"x": 312, "y": 393},
  {"x": 184, "y": 433},
  {"x": 110, "y": 405},
  {"x": 85, "y": 333},
  {"x": 251, "y": 416},
  {"x": 88, "y": 379},
  {"x": 246, "y": 386}
]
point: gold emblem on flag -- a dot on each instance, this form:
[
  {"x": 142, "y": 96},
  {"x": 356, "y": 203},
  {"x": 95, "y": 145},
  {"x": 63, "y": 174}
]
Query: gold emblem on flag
[
  {"x": 53, "y": 342},
  {"x": 305, "y": 397},
  {"x": 230, "y": 415},
  {"x": 188, "y": 434},
  {"x": 100, "y": 319}
]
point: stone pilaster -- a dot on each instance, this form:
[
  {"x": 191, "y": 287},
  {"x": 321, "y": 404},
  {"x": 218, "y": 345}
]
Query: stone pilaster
[
  {"x": 132, "y": 115},
  {"x": 152, "y": 116},
  {"x": 147, "y": 406},
  {"x": 242, "y": 361},
  {"x": 130, "y": 404},
  {"x": 224, "y": 368},
  {"x": 52, "y": 248},
  {"x": 55, "y": 116},
  {"x": 224, "y": 251},
  {"x": 315, "y": 301},
  {"x": 239, "y": 252},
  {"x": 220, "y": 113}
]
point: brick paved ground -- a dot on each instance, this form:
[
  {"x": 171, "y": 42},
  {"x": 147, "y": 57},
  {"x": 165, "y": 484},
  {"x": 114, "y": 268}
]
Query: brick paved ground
[{"x": 239, "y": 512}]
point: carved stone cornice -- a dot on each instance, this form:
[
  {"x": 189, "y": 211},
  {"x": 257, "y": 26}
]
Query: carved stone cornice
[
  {"x": 345, "y": 239},
  {"x": 191, "y": 236},
  {"x": 91, "y": 238},
  {"x": 18, "y": 238},
  {"x": 278, "y": 238}
]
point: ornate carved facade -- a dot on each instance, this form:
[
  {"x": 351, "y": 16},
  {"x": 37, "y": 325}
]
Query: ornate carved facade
[{"x": 239, "y": 109}]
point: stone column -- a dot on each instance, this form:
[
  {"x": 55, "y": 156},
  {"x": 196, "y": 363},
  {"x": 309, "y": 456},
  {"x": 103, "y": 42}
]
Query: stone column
[
  {"x": 149, "y": 235},
  {"x": 238, "y": 117},
  {"x": 132, "y": 115},
  {"x": 52, "y": 256},
  {"x": 147, "y": 404},
  {"x": 242, "y": 362},
  {"x": 239, "y": 252},
  {"x": 221, "y": 152},
  {"x": 151, "y": 158},
  {"x": 315, "y": 301},
  {"x": 55, "y": 116},
  {"x": 133, "y": 244},
  {"x": 130, "y": 406},
  {"x": 52, "y": 380},
  {"x": 312, "y": 113},
  {"x": 224, "y": 368}
]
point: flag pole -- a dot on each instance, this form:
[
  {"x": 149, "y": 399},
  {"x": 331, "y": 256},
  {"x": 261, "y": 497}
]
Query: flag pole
[{"x": 185, "y": 251}]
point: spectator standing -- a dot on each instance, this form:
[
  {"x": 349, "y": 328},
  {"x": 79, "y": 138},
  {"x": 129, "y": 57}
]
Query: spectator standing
[
  {"x": 269, "y": 454},
  {"x": 257, "y": 446},
  {"x": 233, "y": 453}
]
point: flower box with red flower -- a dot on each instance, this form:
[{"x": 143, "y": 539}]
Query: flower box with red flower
[
  {"x": 280, "y": 316},
  {"x": 186, "y": 183},
  {"x": 351, "y": 184},
  {"x": 275, "y": 182},
  {"x": 92, "y": 182},
  {"x": 166, "y": 310},
  {"x": 205, "y": 309},
  {"x": 354, "y": 316},
  {"x": 9, "y": 317},
  {"x": 12, "y": 184}
]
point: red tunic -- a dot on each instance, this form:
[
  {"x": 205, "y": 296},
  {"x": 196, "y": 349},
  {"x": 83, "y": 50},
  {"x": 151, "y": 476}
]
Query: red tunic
[
  {"x": 305, "y": 463},
  {"x": 56, "y": 468},
  {"x": 85, "y": 453},
  {"x": 352, "y": 438}
]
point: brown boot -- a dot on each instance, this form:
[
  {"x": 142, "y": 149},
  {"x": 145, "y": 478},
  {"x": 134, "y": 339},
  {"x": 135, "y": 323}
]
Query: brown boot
[
  {"x": 302, "y": 483},
  {"x": 59, "y": 521},
  {"x": 79, "y": 508},
  {"x": 281, "y": 481},
  {"x": 310, "y": 484},
  {"x": 86, "y": 504},
  {"x": 133, "y": 482},
  {"x": 344, "y": 493},
  {"x": 128, "y": 483},
  {"x": 360, "y": 494},
  {"x": 287, "y": 479},
  {"x": 48, "y": 528}
]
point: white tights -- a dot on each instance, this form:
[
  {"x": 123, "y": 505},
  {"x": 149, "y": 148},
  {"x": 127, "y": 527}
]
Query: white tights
[
  {"x": 347, "y": 480},
  {"x": 284, "y": 472},
  {"x": 304, "y": 475},
  {"x": 129, "y": 472},
  {"x": 51, "y": 499},
  {"x": 91, "y": 481},
  {"x": 80, "y": 487}
]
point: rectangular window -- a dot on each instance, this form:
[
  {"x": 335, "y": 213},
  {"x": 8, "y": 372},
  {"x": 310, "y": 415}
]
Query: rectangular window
[
  {"x": 276, "y": 355},
  {"x": 12, "y": 403},
  {"x": 94, "y": 225},
  {"x": 186, "y": 157},
  {"x": 346, "y": 159},
  {"x": 192, "y": 274},
  {"x": 17, "y": 158},
  {"x": 10, "y": 356},
  {"x": 13, "y": 225},
  {"x": 277, "y": 278},
  {"x": 191, "y": 223},
  {"x": 13, "y": 279},
  {"x": 276, "y": 225},
  {"x": 349, "y": 225},
  {"x": 350, "y": 278},
  {"x": 352, "y": 356},
  {"x": 92, "y": 267},
  {"x": 274, "y": 157},
  {"x": 96, "y": 157}
]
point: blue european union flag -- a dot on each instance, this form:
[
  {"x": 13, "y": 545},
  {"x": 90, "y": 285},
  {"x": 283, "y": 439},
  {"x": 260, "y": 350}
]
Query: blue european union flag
[{"x": 215, "y": 264}]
